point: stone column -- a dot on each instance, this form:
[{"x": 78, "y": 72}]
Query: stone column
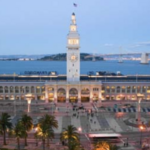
[
  {"x": 79, "y": 94},
  {"x": 46, "y": 94},
  {"x": 55, "y": 94},
  {"x": 19, "y": 97},
  {"x": 91, "y": 94},
  {"x": 67, "y": 94}
]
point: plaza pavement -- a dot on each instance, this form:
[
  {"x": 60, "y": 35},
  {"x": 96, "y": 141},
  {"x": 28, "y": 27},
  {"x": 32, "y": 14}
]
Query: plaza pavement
[{"x": 101, "y": 122}]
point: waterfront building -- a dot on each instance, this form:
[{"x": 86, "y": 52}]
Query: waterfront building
[{"x": 74, "y": 87}]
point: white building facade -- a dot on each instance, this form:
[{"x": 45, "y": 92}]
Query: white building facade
[{"x": 74, "y": 87}]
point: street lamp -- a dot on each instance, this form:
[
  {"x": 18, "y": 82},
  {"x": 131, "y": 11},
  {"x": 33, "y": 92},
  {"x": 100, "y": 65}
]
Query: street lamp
[
  {"x": 36, "y": 136},
  {"x": 29, "y": 102},
  {"x": 80, "y": 130},
  {"x": 141, "y": 128}
]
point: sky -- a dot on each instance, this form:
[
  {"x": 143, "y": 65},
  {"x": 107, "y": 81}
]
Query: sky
[{"x": 41, "y": 26}]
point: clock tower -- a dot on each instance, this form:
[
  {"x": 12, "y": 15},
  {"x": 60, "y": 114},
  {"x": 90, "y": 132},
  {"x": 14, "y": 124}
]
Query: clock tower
[{"x": 73, "y": 52}]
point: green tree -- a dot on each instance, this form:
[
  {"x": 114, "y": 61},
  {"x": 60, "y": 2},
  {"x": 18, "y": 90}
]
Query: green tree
[
  {"x": 104, "y": 145},
  {"x": 53, "y": 123},
  {"x": 18, "y": 132},
  {"x": 45, "y": 128},
  {"x": 5, "y": 125},
  {"x": 70, "y": 135},
  {"x": 28, "y": 126},
  {"x": 42, "y": 132}
]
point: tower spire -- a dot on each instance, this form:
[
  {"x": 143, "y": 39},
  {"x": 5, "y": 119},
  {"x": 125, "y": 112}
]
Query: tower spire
[
  {"x": 73, "y": 52},
  {"x": 73, "y": 18}
]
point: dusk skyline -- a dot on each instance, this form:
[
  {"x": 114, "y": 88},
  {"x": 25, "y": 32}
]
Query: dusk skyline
[{"x": 41, "y": 27}]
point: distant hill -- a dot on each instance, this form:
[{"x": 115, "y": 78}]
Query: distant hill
[{"x": 62, "y": 57}]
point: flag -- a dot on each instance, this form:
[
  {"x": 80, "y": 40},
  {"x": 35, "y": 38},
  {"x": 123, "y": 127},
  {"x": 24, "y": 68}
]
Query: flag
[{"x": 75, "y": 5}]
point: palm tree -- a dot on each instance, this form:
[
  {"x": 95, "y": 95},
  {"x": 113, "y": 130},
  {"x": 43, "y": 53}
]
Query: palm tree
[
  {"x": 27, "y": 124},
  {"x": 42, "y": 132},
  {"x": 5, "y": 125},
  {"x": 76, "y": 145},
  {"x": 71, "y": 135},
  {"x": 53, "y": 123},
  {"x": 19, "y": 132},
  {"x": 48, "y": 119},
  {"x": 104, "y": 145},
  {"x": 45, "y": 128}
]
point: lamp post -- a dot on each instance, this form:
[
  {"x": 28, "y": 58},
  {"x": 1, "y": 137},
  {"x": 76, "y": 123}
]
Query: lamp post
[
  {"x": 29, "y": 102},
  {"x": 15, "y": 107},
  {"x": 141, "y": 128},
  {"x": 80, "y": 130},
  {"x": 36, "y": 129}
]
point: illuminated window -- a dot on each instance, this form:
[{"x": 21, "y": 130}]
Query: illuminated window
[
  {"x": 123, "y": 89},
  {"x": 148, "y": 89},
  {"x": 138, "y": 89},
  {"x": 38, "y": 89},
  {"x": 108, "y": 89},
  {"x": 128, "y": 89},
  {"x": 73, "y": 41},
  {"x": 144, "y": 89},
  {"x": 133, "y": 89},
  {"x": 112, "y": 89},
  {"x": 73, "y": 28}
]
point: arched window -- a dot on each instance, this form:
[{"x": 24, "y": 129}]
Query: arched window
[
  {"x": 6, "y": 89},
  {"x": 123, "y": 89},
  {"x": 128, "y": 89},
  {"x": 108, "y": 89},
  {"x": 16, "y": 89},
  {"x": 113, "y": 89},
  {"x": 11, "y": 89},
  {"x": 143, "y": 89},
  {"x": 118, "y": 89},
  {"x": 61, "y": 92},
  {"x": 50, "y": 89},
  {"x": 133, "y": 89},
  {"x": 21, "y": 89},
  {"x": 85, "y": 91},
  {"x": 1, "y": 89},
  {"x": 43, "y": 89},
  {"x": 73, "y": 91},
  {"x": 38, "y": 89},
  {"x": 103, "y": 88},
  {"x": 32, "y": 89},
  {"x": 138, "y": 89},
  {"x": 27, "y": 89}
]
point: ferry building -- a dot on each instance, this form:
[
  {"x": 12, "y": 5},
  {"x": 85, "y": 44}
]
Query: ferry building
[{"x": 74, "y": 87}]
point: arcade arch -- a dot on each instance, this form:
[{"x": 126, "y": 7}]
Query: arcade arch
[
  {"x": 61, "y": 95},
  {"x": 73, "y": 95},
  {"x": 85, "y": 95}
]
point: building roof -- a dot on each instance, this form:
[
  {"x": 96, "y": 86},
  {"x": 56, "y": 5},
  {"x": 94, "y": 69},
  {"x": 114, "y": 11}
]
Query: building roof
[{"x": 38, "y": 78}]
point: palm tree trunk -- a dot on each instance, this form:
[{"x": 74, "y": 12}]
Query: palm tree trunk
[
  {"x": 47, "y": 142},
  {"x": 69, "y": 144},
  {"x": 25, "y": 141},
  {"x": 18, "y": 142},
  {"x": 4, "y": 137},
  {"x": 43, "y": 144}
]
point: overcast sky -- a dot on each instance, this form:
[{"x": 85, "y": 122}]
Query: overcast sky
[{"x": 41, "y": 26}]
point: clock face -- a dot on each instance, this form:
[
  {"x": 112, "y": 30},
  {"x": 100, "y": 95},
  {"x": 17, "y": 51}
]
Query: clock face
[{"x": 73, "y": 57}]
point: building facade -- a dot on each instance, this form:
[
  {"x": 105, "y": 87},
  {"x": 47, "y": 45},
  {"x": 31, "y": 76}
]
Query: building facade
[{"x": 74, "y": 87}]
